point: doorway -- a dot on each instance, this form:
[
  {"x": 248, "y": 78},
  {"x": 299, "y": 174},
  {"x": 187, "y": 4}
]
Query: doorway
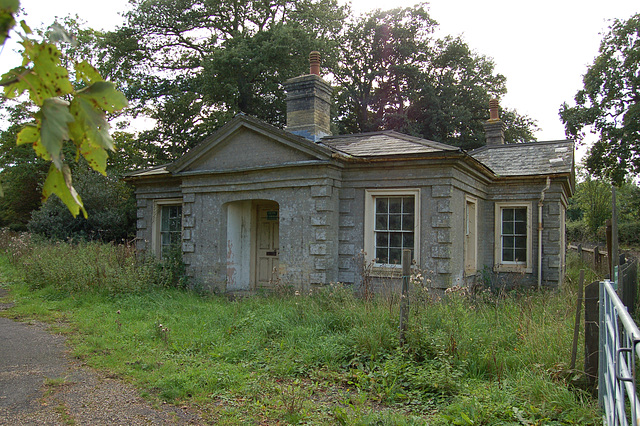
[{"x": 253, "y": 244}]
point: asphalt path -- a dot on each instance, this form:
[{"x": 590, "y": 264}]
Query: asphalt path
[{"x": 41, "y": 384}]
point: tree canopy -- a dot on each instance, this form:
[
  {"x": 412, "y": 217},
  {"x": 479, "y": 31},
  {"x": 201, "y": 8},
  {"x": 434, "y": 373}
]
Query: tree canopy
[
  {"x": 609, "y": 104},
  {"x": 191, "y": 65},
  {"x": 393, "y": 73},
  {"x": 212, "y": 60}
]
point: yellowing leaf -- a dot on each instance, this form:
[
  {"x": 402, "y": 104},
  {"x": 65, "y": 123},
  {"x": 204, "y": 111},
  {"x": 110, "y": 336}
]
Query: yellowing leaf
[
  {"x": 54, "y": 129},
  {"x": 29, "y": 134},
  {"x": 104, "y": 95},
  {"x": 59, "y": 182},
  {"x": 14, "y": 82},
  {"x": 94, "y": 124},
  {"x": 95, "y": 156},
  {"x": 90, "y": 133},
  {"x": 46, "y": 65},
  {"x": 87, "y": 73}
]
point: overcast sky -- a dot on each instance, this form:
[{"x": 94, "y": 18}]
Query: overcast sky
[{"x": 543, "y": 47}]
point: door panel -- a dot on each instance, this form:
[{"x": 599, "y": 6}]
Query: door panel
[{"x": 267, "y": 244}]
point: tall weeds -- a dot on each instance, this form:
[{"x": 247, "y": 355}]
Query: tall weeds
[
  {"x": 73, "y": 267},
  {"x": 481, "y": 359}
]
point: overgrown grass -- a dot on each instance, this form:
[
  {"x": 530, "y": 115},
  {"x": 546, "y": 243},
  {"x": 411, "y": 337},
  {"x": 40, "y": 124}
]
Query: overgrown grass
[{"x": 326, "y": 358}]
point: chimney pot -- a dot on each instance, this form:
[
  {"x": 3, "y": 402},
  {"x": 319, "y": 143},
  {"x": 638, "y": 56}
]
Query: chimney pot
[
  {"x": 493, "y": 110},
  {"x": 314, "y": 61}
]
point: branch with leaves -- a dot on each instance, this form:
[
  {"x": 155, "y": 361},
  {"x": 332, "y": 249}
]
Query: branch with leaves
[{"x": 66, "y": 114}]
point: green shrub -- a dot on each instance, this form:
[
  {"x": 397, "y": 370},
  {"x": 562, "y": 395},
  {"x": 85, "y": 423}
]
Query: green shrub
[
  {"x": 91, "y": 266},
  {"x": 110, "y": 205},
  {"x": 578, "y": 232},
  {"x": 629, "y": 233}
]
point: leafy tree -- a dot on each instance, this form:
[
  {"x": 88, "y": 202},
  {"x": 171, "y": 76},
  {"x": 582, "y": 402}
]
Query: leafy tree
[
  {"x": 64, "y": 112},
  {"x": 394, "y": 74},
  {"x": 609, "y": 104},
  {"x": 110, "y": 206},
  {"x": 594, "y": 198},
  {"x": 380, "y": 61},
  {"x": 22, "y": 174},
  {"x": 192, "y": 65}
]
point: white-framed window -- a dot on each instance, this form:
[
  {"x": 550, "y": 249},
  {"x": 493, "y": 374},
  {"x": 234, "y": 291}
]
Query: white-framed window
[
  {"x": 167, "y": 226},
  {"x": 513, "y": 239},
  {"x": 470, "y": 235},
  {"x": 392, "y": 224}
]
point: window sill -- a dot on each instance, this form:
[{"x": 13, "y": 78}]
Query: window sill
[
  {"x": 517, "y": 268},
  {"x": 386, "y": 271}
]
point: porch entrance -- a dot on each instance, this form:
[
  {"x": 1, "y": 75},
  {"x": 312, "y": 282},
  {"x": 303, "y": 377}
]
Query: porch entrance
[{"x": 253, "y": 244}]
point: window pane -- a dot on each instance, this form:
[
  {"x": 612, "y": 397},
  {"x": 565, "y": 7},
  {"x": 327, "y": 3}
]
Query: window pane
[
  {"x": 407, "y": 222},
  {"x": 507, "y": 214},
  {"x": 408, "y": 205},
  {"x": 395, "y": 256},
  {"x": 382, "y": 205},
  {"x": 507, "y": 228},
  {"x": 395, "y": 221},
  {"x": 382, "y": 239},
  {"x": 521, "y": 255},
  {"x": 381, "y": 222},
  {"x": 395, "y": 239},
  {"x": 407, "y": 240},
  {"x": 520, "y": 242},
  {"x": 395, "y": 205},
  {"x": 521, "y": 214},
  {"x": 507, "y": 255},
  {"x": 521, "y": 228},
  {"x": 508, "y": 242},
  {"x": 382, "y": 255}
]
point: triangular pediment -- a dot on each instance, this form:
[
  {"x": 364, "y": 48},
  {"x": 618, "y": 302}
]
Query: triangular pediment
[{"x": 247, "y": 143}]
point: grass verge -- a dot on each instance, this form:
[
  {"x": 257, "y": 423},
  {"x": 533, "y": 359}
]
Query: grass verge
[{"x": 326, "y": 358}]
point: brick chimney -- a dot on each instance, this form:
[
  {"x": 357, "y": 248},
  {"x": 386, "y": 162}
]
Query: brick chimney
[
  {"x": 308, "y": 102},
  {"x": 494, "y": 127}
]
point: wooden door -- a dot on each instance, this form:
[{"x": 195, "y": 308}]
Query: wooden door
[{"x": 267, "y": 244}]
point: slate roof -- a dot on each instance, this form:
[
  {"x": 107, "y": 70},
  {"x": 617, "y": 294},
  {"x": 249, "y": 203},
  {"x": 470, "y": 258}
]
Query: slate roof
[
  {"x": 154, "y": 171},
  {"x": 509, "y": 160},
  {"x": 527, "y": 159},
  {"x": 383, "y": 144}
]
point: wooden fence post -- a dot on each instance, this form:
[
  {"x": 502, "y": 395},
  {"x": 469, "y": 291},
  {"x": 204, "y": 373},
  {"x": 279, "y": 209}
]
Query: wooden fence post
[
  {"x": 576, "y": 329},
  {"x": 404, "y": 298},
  {"x": 580, "y": 252}
]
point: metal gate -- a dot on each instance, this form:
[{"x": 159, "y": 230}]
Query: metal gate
[{"x": 619, "y": 339}]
